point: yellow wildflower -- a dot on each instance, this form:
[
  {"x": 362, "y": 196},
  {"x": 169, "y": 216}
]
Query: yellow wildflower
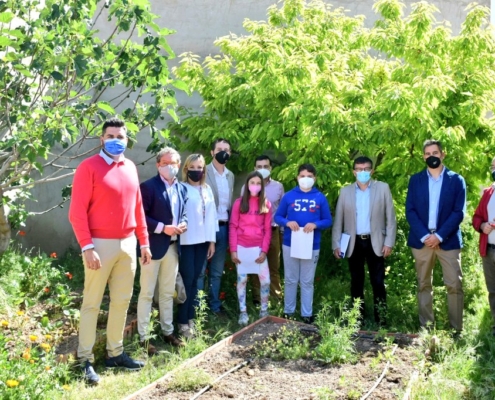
[
  {"x": 31, "y": 361},
  {"x": 12, "y": 383},
  {"x": 45, "y": 346},
  {"x": 4, "y": 323},
  {"x": 48, "y": 337},
  {"x": 47, "y": 368},
  {"x": 20, "y": 313},
  {"x": 33, "y": 338},
  {"x": 26, "y": 354},
  {"x": 66, "y": 387}
]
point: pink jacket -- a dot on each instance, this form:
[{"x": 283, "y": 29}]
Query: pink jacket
[{"x": 251, "y": 229}]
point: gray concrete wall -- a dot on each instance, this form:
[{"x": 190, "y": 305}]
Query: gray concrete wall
[{"x": 198, "y": 23}]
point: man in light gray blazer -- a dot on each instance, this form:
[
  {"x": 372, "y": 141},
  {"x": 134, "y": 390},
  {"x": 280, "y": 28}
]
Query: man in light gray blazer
[
  {"x": 365, "y": 212},
  {"x": 221, "y": 181}
]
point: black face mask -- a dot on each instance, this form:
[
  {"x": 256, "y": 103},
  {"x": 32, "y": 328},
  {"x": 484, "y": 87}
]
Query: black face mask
[
  {"x": 433, "y": 162},
  {"x": 222, "y": 157},
  {"x": 493, "y": 175},
  {"x": 195, "y": 176}
]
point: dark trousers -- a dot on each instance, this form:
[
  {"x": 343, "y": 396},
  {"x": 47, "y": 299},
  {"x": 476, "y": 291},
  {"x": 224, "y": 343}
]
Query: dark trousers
[
  {"x": 363, "y": 252},
  {"x": 191, "y": 262}
]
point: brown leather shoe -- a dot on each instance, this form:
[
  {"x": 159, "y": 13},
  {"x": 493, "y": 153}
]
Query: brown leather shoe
[
  {"x": 173, "y": 340},
  {"x": 152, "y": 351}
]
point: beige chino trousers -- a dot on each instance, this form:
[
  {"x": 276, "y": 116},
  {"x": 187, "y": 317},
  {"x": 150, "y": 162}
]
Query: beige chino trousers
[
  {"x": 118, "y": 268},
  {"x": 163, "y": 273},
  {"x": 450, "y": 260}
]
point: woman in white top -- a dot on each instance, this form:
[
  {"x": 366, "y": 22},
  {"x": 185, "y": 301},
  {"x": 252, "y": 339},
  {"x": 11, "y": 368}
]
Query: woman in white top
[{"x": 198, "y": 242}]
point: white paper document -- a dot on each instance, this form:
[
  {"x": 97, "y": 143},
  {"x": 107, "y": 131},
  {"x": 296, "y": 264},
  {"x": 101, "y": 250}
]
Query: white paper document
[
  {"x": 247, "y": 255},
  {"x": 344, "y": 243},
  {"x": 301, "y": 244}
]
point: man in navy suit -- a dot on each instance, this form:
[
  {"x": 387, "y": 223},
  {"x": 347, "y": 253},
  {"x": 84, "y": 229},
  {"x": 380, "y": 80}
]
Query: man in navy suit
[
  {"x": 435, "y": 208},
  {"x": 164, "y": 200}
]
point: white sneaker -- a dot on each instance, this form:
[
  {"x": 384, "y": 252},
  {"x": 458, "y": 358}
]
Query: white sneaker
[
  {"x": 243, "y": 319},
  {"x": 185, "y": 331},
  {"x": 264, "y": 313}
]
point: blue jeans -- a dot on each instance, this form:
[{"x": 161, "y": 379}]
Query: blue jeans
[
  {"x": 192, "y": 259},
  {"x": 217, "y": 263}
]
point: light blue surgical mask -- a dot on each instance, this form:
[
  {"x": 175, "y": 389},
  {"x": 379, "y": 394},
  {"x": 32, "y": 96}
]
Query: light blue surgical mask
[
  {"x": 363, "y": 176},
  {"x": 115, "y": 147}
]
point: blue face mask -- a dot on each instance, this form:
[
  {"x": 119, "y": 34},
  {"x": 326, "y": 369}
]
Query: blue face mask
[
  {"x": 115, "y": 147},
  {"x": 363, "y": 176}
]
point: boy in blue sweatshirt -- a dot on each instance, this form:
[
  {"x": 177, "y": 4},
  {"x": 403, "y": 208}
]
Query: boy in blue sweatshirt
[{"x": 304, "y": 207}]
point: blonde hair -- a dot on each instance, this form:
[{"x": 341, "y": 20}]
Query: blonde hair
[{"x": 189, "y": 160}]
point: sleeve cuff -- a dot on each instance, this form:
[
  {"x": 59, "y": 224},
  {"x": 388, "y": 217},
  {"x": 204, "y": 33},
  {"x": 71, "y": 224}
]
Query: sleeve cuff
[
  {"x": 439, "y": 237},
  {"x": 159, "y": 227},
  {"x": 87, "y": 247},
  {"x": 424, "y": 238}
]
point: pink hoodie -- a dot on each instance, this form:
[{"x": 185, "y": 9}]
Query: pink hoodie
[{"x": 251, "y": 229}]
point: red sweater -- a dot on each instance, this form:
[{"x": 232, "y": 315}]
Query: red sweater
[
  {"x": 251, "y": 229},
  {"x": 480, "y": 216},
  {"x": 106, "y": 202}
]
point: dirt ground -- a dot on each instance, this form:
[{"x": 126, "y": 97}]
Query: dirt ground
[{"x": 264, "y": 379}]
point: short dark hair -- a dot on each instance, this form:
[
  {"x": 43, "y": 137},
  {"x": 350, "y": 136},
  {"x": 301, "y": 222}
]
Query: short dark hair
[
  {"x": 220, "y": 140},
  {"x": 308, "y": 167},
  {"x": 432, "y": 142},
  {"x": 263, "y": 157},
  {"x": 362, "y": 160},
  {"x": 113, "y": 123}
]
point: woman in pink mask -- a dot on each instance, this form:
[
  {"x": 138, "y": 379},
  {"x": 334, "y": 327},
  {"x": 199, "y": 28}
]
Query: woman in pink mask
[{"x": 250, "y": 231}]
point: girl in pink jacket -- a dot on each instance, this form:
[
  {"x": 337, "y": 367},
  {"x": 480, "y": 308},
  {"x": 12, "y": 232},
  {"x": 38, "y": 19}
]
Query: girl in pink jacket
[{"x": 250, "y": 227}]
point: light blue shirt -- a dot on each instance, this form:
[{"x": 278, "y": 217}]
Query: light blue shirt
[
  {"x": 434, "y": 189},
  {"x": 363, "y": 220}
]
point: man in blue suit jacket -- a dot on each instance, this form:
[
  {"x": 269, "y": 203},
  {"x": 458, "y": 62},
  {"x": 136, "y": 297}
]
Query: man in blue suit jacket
[
  {"x": 435, "y": 208},
  {"x": 164, "y": 200}
]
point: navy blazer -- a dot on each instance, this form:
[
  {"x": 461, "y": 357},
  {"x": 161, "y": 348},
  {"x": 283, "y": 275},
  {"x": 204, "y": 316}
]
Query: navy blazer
[
  {"x": 157, "y": 208},
  {"x": 451, "y": 209}
]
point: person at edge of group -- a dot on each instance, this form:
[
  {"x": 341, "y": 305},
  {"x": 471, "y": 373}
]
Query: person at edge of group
[
  {"x": 365, "y": 211},
  {"x": 164, "y": 203},
  {"x": 435, "y": 208},
  {"x": 106, "y": 213},
  {"x": 274, "y": 191},
  {"x": 484, "y": 223},
  {"x": 221, "y": 182},
  {"x": 198, "y": 242},
  {"x": 250, "y": 226},
  {"x": 303, "y": 207}
]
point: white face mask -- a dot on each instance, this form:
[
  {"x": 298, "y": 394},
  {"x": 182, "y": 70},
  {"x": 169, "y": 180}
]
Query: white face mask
[
  {"x": 306, "y": 182},
  {"x": 168, "y": 172},
  {"x": 265, "y": 173}
]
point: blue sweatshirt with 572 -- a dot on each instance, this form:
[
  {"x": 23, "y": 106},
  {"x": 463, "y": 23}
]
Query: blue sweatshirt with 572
[{"x": 304, "y": 207}]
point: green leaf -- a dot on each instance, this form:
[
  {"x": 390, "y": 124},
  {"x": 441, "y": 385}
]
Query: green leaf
[
  {"x": 6, "y": 17},
  {"x": 106, "y": 107},
  {"x": 57, "y": 76}
]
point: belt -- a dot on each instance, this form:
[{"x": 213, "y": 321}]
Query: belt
[
  {"x": 364, "y": 237},
  {"x": 491, "y": 246},
  {"x": 222, "y": 223},
  {"x": 432, "y": 231},
  {"x": 274, "y": 228},
  {"x": 173, "y": 241}
]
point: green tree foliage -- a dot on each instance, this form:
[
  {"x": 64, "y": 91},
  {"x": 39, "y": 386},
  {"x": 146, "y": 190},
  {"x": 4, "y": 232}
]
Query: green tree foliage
[
  {"x": 315, "y": 85},
  {"x": 60, "y": 77}
]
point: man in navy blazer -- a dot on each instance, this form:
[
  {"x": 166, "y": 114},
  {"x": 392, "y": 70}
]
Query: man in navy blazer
[
  {"x": 435, "y": 208},
  {"x": 164, "y": 200}
]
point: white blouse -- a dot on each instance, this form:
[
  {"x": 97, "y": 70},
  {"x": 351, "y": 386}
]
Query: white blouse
[{"x": 202, "y": 223}]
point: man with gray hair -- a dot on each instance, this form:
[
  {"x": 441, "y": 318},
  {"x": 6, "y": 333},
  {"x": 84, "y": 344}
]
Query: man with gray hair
[{"x": 164, "y": 200}]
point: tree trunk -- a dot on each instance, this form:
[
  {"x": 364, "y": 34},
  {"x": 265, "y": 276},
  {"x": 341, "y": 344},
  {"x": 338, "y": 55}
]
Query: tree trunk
[{"x": 4, "y": 227}]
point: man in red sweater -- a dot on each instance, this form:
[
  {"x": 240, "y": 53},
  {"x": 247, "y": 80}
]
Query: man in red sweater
[{"x": 106, "y": 213}]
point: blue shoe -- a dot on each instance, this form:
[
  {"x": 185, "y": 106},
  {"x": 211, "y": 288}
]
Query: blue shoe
[
  {"x": 90, "y": 376},
  {"x": 123, "y": 361}
]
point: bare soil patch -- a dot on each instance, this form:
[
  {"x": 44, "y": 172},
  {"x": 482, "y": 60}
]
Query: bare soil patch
[{"x": 265, "y": 378}]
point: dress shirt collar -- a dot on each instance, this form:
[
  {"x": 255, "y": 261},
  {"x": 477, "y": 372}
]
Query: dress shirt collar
[
  {"x": 109, "y": 160},
  {"x": 439, "y": 176},
  {"x": 168, "y": 185}
]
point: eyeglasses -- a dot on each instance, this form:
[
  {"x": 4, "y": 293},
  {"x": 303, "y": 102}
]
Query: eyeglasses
[{"x": 362, "y": 169}]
